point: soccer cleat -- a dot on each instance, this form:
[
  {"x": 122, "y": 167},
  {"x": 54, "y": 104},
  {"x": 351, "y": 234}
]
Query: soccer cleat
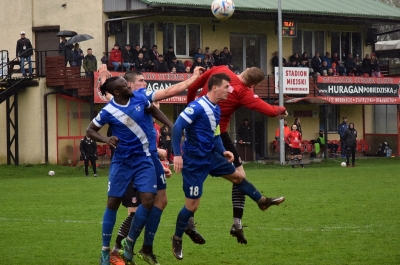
[
  {"x": 150, "y": 258},
  {"x": 238, "y": 233},
  {"x": 105, "y": 257},
  {"x": 128, "y": 251},
  {"x": 177, "y": 248},
  {"x": 265, "y": 203},
  {"x": 292, "y": 166},
  {"x": 95, "y": 175},
  {"x": 194, "y": 235},
  {"x": 115, "y": 259}
]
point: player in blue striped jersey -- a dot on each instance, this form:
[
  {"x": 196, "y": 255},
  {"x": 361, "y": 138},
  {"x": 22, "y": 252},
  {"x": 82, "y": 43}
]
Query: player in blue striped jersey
[
  {"x": 132, "y": 158},
  {"x": 203, "y": 153},
  {"x": 137, "y": 83}
]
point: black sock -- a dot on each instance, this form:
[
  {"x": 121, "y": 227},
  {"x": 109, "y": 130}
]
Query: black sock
[
  {"x": 124, "y": 230},
  {"x": 238, "y": 200}
]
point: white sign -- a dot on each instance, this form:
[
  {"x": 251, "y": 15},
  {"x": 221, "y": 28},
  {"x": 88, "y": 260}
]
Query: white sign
[{"x": 296, "y": 80}]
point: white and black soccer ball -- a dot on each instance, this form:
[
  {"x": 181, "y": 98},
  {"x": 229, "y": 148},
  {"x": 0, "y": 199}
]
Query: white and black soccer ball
[
  {"x": 52, "y": 173},
  {"x": 343, "y": 164},
  {"x": 222, "y": 9}
]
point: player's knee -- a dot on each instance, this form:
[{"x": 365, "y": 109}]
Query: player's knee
[
  {"x": 113, "y": 203},
  {"x": 237, "y": 177},
  {"x": 161, "y": 203},
  {"x": 192, "y": 204},
  {"x": 147, "y": 200}
]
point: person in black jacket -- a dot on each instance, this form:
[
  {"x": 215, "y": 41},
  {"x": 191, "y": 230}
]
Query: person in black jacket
[
  {"x": 128, "y": 58},
  {"x": 141, "y": 63},
  {"x": 88, "y": 149},
  {"x": 179, "y": 66},
  {"x": 244, "y": 132},
  {"x": 160, "y": 65},
  {"x": 24, "y": 51},
  {"x": 350, "y": 139}
]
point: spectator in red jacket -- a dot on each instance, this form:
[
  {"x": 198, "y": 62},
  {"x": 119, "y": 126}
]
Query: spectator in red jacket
[{"x": 116, "y": 57}]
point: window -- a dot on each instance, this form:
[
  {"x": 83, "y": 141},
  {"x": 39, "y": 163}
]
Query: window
[
  {"x": 332, "y": 117},
  {"x": 184, "y": 38},
  {"x": 141, "y": 33},
  {"x": 310, "y": 42},
  {"x": 385, "y": 119},
  {"x": 345, "y": 42}
]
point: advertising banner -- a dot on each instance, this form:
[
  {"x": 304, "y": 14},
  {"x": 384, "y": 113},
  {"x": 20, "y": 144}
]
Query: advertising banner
[
  {"x": 155, "y": 81},
  {"x": 296, "y": 80},
  {"x": 359, "y": 90}
]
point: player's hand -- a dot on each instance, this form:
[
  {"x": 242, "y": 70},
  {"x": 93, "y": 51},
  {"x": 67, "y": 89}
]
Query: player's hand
[
  {"x": 113, "y": 141},
  {"x": 284, "y": 115},
  {"x": 167, "y": 172},
  {"x": 229, "y": 156},
  {"x": 103, "y": 73},
  {"x": 290, "y": 145},
  {"x": 162, "y": 153},
  {"x": 178, "y": 164},
  {"x": 198, "y": 70}
]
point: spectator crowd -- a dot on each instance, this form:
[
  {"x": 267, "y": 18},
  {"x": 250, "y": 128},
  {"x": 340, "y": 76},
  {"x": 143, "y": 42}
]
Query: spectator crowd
[{"x": 330, "y": 65}]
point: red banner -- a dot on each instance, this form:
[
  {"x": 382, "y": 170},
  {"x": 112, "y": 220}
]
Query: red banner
[{"x": 155, "y": 82}]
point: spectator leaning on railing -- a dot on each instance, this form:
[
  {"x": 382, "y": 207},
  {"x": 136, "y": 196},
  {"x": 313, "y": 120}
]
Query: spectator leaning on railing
[{"x": 24, "y": 51}]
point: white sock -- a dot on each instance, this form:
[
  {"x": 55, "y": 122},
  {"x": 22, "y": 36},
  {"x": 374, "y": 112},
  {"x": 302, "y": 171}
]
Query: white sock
[{"x": 237, "y": 222}]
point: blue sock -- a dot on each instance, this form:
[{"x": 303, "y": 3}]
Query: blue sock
[
  {"x": 138, "y": 222},
  {"x": 182, "y": 221},
  {"x": 152, "y": 226},
  {"x": 249, "y": 189},
  {"x": 109, "y": 218}
]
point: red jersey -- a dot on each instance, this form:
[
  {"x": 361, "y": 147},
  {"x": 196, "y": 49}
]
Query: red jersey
[
  {"x": 240, "y": 96},
  {"x": 294, "y": 138}
]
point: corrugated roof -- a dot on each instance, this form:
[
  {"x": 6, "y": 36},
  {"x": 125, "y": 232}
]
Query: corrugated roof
[{"x": 349, "y": 8}]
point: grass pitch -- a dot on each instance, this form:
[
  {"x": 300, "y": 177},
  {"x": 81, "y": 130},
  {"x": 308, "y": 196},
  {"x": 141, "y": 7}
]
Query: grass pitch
[{"x": 332, "y": 215}]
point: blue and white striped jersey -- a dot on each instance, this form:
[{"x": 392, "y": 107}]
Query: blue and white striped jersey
[
  {"x": 151, "y": 132},
  {"x": 200, "y": 121},
  {"x": 129, "y": 123}
]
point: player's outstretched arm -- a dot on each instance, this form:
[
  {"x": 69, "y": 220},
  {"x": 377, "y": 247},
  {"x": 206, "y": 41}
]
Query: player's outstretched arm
[{"x": 180, "y": 87}]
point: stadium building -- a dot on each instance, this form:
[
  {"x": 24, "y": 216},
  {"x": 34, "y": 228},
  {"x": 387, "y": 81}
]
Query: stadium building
[{"x": 44, "y": 117}]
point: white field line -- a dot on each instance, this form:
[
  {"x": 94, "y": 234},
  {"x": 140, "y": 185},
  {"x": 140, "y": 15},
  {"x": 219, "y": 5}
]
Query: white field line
[{"x": 306, "y": 229}]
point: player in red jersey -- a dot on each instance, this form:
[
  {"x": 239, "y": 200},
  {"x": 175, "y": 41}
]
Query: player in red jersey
[
  {"x": 293, "y": 139},
  {"x": 242, "y": 95}
]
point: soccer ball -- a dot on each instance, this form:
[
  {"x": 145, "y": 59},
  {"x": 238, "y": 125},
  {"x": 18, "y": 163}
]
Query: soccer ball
[
  {"x": 222, "y": 9},
  {"x": 51, "y": 173},
  {"x": 343, "y": 164}
]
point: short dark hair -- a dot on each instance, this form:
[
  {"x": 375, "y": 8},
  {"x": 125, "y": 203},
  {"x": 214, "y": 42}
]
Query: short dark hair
[
  {"x": 89, "y": 49},
  {"x": 216, "y": 80},
  {"x": 130, "y": 76},
  {"x": 108, "y": 85}
]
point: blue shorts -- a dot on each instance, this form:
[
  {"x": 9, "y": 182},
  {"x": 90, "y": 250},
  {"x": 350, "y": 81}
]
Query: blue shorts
[
  {"x": 196, "y": 169},
  {"x": 161, "y": 180},
  {"x": 138, "y": 168}
]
